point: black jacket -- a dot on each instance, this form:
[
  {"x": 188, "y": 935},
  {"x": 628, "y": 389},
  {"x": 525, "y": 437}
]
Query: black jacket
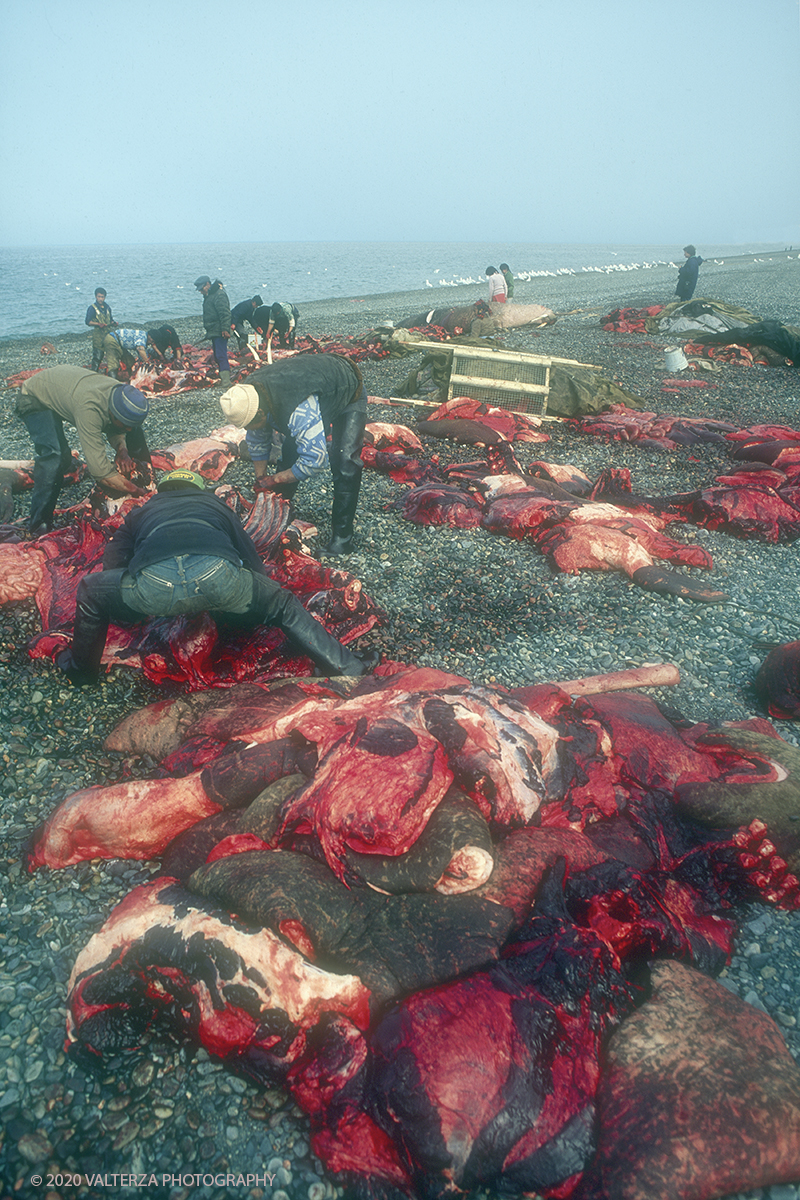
[
  {"x": 687, "y": 277},
  {"x": 217, "y": 311},
  {"x": 243, "y": 312},
  {"x": 183, "y": 521},
  {"x": 164, "y": 338},
  {"x": 287, "y": 383}
]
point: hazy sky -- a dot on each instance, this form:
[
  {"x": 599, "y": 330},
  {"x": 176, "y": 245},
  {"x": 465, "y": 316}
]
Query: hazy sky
[{"x": 624, "y": 121}]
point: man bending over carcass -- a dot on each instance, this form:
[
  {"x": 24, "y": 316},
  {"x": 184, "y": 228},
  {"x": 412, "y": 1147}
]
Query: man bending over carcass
[
  {"x": 307, "y": 399},
  {"x": 101, "y": 410},
  {"x": 182, "y": 552}
]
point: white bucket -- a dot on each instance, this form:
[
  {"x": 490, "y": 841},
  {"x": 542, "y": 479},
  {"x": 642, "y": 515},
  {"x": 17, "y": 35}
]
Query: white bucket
[{"x": 674, "y": 358}]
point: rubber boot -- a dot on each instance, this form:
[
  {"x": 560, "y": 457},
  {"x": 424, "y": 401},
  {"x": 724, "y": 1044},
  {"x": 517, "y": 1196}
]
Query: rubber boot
[
  {"x": 48, "y": 476},
  {"x": 99, "y": 599},
  {"x": 274, "y": 605},
  {"x": 343, "y": 512},
  {"x": 225, "y": 378}
]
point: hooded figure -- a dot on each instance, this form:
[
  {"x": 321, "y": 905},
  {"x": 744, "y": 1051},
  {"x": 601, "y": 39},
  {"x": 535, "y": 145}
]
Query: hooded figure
[
  {"x": 687, "y": 274},
  {"x": 307, "y": 398}
]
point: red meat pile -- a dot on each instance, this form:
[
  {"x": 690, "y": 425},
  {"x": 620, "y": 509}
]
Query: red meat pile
[
  {"x": 452, "y": 1033},
  {"x": 189, "y": 650},
  {"x": 629, "y": 320},
  {"x": 621, "y": 424}
]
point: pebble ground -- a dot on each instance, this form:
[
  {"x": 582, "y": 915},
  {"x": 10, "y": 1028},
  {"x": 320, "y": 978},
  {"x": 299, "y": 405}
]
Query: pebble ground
[{"x": 463, "y": 601}]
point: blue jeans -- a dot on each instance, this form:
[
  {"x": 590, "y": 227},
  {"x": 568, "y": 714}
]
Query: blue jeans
[
  {"x": 219, "y": 346},
  {"x": 188, "y": 583}
]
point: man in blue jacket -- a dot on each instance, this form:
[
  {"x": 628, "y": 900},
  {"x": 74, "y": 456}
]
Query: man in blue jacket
[{"x": 185, "y": 551}]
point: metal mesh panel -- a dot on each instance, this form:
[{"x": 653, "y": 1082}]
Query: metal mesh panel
[
  {"x": 497, "y": 368},
  {"x": 523, "y": 402}
]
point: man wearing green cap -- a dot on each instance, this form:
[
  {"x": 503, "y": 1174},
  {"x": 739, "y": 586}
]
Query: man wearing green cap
[
  {"x": 182, "y": 552},
  {"x": 103, "y": 412}
]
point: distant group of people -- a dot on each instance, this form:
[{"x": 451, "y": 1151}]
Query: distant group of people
[
  {"x": 220, "y": 321},
  {"x": 501, "y": 283},
  {"x": 122, "y": 346},
  {"x": 119, "y": 345}
]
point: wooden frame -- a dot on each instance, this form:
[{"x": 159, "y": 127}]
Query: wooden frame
[{"x": 506, "y": 386}]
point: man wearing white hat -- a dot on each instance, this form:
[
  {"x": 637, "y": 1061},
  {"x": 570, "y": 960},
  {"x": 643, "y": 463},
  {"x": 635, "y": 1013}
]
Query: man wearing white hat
[{"x": 307, "y": 398}]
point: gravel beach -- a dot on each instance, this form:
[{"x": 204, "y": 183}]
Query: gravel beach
[{"x": 467, "y": 602}]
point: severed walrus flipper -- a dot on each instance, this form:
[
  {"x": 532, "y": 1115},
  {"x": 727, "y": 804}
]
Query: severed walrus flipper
[
  {"x": 669, "y": 583},
  {"x": 773, "y": 798}
]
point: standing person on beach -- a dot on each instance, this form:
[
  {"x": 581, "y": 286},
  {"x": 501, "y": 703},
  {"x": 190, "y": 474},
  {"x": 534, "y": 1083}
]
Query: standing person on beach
[
  {"x": 687, "y": 274},
  {"x": 497, "y": 286},
  {"x": 185, "y": 551},
  {"x": 505, "y": 271},
  {"x": 101, "y": 410},
  {"x": 306, "y": 398},
  {"x": 281, "y": 317},
  {"x": 217, "y": 322},
  {"x": 100, "y": 320},
  {"x": 162, "y": 339},
  {"x": 124, "y": 346},
  {"x": 243, "y": 314}
]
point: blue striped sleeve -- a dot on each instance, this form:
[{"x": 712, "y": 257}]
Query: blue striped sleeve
[{"x": 305, "y": 426}]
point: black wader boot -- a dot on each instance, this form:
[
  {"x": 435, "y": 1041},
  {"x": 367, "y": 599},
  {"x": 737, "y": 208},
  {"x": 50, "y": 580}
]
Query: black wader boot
[
  {"x": 99, "y": 601},
  {"x": 274, "y": 605},
  {"x": 347, "y": 436},
  {"x": 343, "y": 514},
  {"x": 48, "y": 476}
]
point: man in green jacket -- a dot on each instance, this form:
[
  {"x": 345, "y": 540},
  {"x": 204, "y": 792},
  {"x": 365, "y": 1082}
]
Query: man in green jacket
[
  {"x": 102, "y": 411},
  {"x": 217, "y": 322}
]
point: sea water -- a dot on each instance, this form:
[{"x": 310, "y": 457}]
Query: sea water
[{"x": 47, "y": 289}]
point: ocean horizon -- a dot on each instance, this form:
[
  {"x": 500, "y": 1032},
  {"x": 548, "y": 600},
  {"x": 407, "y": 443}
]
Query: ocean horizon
[{"x": 52, "y": 286}]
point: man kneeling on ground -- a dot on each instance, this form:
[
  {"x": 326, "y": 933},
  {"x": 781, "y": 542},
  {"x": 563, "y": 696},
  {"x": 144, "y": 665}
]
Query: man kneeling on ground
[{"x": 183, "y": 552}]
